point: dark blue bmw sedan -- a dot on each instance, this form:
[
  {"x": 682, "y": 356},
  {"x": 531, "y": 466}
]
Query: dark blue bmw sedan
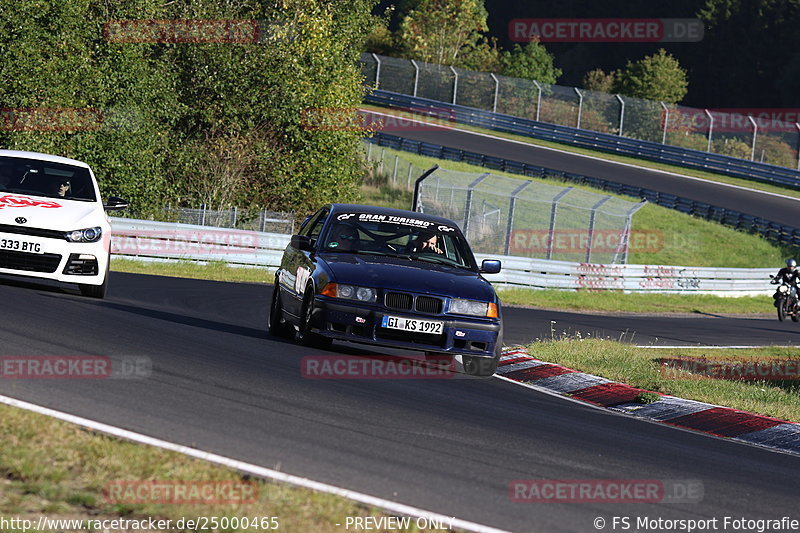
[{"x": 392, "y": 278}]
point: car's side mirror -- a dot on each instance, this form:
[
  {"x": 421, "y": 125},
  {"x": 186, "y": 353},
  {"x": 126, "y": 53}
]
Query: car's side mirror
[
  {"x": 302, "y": 242},
  {"x": 115, "y": 203},
  {"x": 490, "y": 266}
]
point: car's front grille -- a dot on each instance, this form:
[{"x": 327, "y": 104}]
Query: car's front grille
[
  {"x": 30, "y": 262},
  {"x": 398, "y": 300},
  {"x": 402, "y": 301},
  {"x": 428, "y": 304},
  {"x": 34, "y": 232}
]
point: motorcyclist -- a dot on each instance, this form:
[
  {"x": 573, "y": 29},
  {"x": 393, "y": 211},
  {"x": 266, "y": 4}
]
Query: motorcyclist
[{"x": 790, "y": 276}]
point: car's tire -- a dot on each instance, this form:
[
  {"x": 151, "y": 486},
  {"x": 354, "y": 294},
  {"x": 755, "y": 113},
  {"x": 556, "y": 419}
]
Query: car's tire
[
  {"x": 277, "y": 327},
  {"x": 96, "y": 291},
  {"x": 306, "y": 336}
]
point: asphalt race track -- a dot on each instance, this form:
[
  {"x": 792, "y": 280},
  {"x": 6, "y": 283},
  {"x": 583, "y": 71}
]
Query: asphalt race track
[
  {"x": 771, "y": 207},
  {"x": 220, "y": 383}
]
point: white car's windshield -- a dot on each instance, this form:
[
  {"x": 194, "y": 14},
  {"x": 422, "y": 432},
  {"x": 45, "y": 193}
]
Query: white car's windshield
[
  {"x": 43, "y": 178},
  {"x": 379, "y": 234}
]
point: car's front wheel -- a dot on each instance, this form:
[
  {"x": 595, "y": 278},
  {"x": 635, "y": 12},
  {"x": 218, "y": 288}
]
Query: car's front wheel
[
  {"x": 308, "y": 337},
  {"x": 484, "y": 366},
  {"x": 277, "y": 326}
]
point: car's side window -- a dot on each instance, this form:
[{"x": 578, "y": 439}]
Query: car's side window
[{"x": 314, "y": 226}]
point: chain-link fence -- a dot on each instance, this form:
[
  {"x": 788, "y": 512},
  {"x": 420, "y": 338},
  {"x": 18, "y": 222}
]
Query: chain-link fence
[
  {"x": 508, "y": 216},
  {"x": 234, "y": 218},
  {"x": 760, "y": 137},
  {"x": 390, "y": 169}
]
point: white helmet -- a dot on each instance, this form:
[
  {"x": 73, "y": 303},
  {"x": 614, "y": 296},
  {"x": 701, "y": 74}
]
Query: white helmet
[{"x": 791, "y": 263}]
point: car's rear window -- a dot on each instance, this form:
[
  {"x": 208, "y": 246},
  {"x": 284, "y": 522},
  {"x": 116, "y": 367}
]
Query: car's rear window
[
  {"x": 409, "y": 237},
  {"x": 43, "y": 178}
]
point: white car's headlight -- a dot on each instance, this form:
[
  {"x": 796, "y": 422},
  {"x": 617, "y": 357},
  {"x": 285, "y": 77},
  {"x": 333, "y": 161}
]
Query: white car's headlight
[
  {"x": 350, "y": 292},
  {"x": 84, "y": 235},
  {"x": 460, "y": 306}
]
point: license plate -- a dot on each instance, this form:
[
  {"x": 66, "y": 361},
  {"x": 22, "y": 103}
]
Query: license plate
[
  {"x": 20, "y": 246},
  {"x": 432, "y": 327}
]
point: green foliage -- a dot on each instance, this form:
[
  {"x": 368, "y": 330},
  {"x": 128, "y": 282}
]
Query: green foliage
[
  {"x": 598, "y": 80},
  {"x": 658, "y": 77},
  {"x": 440, "y": 31},
  {"x": 177, "y": 117},
  {"x": 531, "y": 62}
]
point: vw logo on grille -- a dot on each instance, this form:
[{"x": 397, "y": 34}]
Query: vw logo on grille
[{"x": 20, "y": 220}]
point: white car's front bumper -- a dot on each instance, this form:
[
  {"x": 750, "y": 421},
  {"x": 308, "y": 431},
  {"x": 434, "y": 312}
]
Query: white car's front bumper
[{"x": 55, "y": 259}]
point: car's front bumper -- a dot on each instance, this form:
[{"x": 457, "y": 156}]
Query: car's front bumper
[
  {"x": 356, "y": 322},
  {"x": 59, "y": 260}
]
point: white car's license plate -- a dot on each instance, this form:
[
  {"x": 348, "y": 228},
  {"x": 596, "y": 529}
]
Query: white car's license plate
[
  {"x": 434, "y": 327},
  {"x": 21, "y": 246}
]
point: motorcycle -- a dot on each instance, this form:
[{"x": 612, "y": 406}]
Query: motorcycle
[{"x": 785, "y": 301}]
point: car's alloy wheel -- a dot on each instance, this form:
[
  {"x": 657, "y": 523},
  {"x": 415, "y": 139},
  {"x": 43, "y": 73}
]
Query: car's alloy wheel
[
  {"x": 277, "y": 326},
  {"x": 308, "y": 337}
]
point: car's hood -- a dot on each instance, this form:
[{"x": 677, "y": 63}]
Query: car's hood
[
  {"x": 407, "y": 275},
  {"x": 50, "y": 213}
]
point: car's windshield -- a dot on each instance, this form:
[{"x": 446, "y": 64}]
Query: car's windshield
[
  {"x": 407, "y": 237},
  {"x": 43, "y": 178}
]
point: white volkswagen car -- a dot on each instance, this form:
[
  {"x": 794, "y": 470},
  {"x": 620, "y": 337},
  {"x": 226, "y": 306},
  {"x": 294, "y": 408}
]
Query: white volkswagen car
[{"x": 53, "y": 224}]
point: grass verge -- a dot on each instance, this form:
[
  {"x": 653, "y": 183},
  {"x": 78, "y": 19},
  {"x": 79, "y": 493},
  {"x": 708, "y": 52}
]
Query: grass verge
[
  {"x": 60, "y": 470},
  {"x": 214, "y": 271},
  {"x": 617, "y": 301},
  {"x": 639, "y": 367},
  {"x": 711, "y": 176}
]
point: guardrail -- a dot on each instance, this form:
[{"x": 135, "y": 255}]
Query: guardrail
[
  {"x": 770, "y": 230},
  {"x": 169, "y": 241},
  {"x": 604, "y": 142},
  {"x": 521, "y": 272},
  {"x": 166, "y": 241}
]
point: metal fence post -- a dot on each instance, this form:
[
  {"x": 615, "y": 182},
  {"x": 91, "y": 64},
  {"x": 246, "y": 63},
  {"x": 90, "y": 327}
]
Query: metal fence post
[
  {"x": 455, "y": 84},
  {"x": 580, "y": 105},
  {"x": 496, "y": 91},
  {"x": 263, "y": 225},
  {"x": 551, "y": 233},
  {"x": 666, "y": 121},
  {"x": 538, "y": 99},
  {"x": 203, "y": 215},
  {"x": 512, "y": 204},
  {"x": 380, "y": 165},
  {"x": 592, "y": 217},
  {"x": 624, "y": 241},
  {"x": 755, "y": 135},
  {"x": 408, "y": 180},
  {"x": 621, "y": 113},
  {"x": 369, "y": 151},
  {"x": 710, "y": 128},
  {"x": 377, "y": 71},
  {"x": 468, "y": 202},
  {"x": 233, "y": 217},
  {"x": 394, "y": 173},
  {"x": 416, "y": 76}
]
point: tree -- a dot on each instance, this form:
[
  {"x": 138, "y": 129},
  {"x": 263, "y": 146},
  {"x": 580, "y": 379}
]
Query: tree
[
  {"x": 598, "y": 80},
  {"x": 532, "y": 62},
  {"x": 658, "y": 77},
  {"x": 439, "y": 31}
]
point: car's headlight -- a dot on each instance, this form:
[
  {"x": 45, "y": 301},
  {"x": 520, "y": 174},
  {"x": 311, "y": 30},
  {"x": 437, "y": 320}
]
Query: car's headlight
[
  {"x": 460, "y": 306},
  {"x": 84, "y": 235},
  {"x": 350, "y": 292}
]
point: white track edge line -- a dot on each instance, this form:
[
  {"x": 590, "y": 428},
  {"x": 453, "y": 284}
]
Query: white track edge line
[
  {"x": 252, "y": 469},
  {"x": 586, "y": 156}
]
